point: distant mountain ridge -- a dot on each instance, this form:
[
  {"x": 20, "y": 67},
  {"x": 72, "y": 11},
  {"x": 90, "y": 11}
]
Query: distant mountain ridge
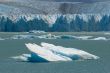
[
  {"x": 54, "y": 15},
  {"x": 18, "y": 7}
]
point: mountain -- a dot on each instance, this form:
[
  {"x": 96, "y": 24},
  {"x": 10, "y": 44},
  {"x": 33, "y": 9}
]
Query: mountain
[
  {"x": 54, "y": 15},
  {"x": 18, "y": 7}
]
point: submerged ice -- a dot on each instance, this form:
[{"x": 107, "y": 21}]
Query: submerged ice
[{"x": 49, "y": 52}]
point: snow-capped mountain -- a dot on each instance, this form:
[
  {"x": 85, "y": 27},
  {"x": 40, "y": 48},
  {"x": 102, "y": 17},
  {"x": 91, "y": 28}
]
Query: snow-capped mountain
[
  {"x": 50, "y": 10},
  {"x": 54, "y": 15},
  {"x": 16, "y": 7}
]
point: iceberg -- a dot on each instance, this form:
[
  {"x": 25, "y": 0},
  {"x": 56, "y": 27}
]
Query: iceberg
[
  {"x": 15, "y": 37},
  {"x": 46, "y": 53},
  {"x": 73, "y": 53},
  {"x": 49, "y": 53},
  {"x": 66, "y": 37},
  {"x": 49, "y": 36},
  {"x": 100, "y": 38}
]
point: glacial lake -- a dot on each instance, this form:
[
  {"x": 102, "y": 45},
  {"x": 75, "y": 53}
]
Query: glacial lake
[{"x": 13, "y": 47}]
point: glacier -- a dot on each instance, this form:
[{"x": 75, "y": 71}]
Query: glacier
[
  {"x": 51, "y": 18},
  {"x": 51, "y": 53},
  {"x": 55, "y": 23}
]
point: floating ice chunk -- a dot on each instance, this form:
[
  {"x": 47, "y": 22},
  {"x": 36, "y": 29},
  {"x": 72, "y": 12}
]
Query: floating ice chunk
[
  {"x": 29, "y": 58},
  {"x": 75, "y": 37},
  {"x": 46, "y": 54},
  {"x": 23, "y": 37},
  {"x": 1, "y": 38},
  {"x": 82, "y": 37},
  {"x": 36, "y": 31},
  {"x": 66, "y": 37},
  {"x": 23, "y": 57},
  {"x": 48, "y": 36},
  {"x": 108, "y": 33},
  {"x": 100, "y": 38},
  {"x": 70, "y": 52}
]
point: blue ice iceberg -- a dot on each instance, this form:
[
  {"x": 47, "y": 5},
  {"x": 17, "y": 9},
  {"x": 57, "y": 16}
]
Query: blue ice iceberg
[{"x": 49, "y": 52}]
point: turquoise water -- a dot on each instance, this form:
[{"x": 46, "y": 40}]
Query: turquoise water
[{"x": 101, "y": 48}]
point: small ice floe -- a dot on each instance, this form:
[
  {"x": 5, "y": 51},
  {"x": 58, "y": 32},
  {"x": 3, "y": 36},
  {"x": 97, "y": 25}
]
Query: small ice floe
[
  {"x": 75, "y": 37},
  {"x": 1, "y": 38},
  {"x": 36, "y": 31},
  {"x": 23, "y": 57},
  {"x": 99, "y": 38},
  {"x": 66, "y": 37},
  {"x": 49, "y": 52},
  {"x": 23, "y": 37},
  {"x": 108, "y": 33},
  {"x": 48, "y": 36},
  {"x": 82, "y": 37}
]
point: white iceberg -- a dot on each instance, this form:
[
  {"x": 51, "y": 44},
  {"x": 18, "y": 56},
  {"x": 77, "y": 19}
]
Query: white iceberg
[
  {"x": 69, "y": 52},
  {"x": 49, "y": 52},
  {"x": 46, "y": 53}
]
